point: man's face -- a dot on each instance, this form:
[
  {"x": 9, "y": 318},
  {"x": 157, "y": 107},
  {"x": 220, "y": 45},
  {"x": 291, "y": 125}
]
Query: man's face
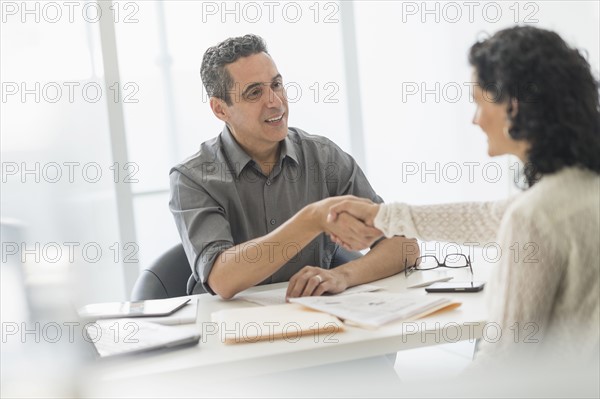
[{"x": 258, "y": 114}]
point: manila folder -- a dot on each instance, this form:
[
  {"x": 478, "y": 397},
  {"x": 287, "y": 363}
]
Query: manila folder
[{"x": 288, "y": 321}]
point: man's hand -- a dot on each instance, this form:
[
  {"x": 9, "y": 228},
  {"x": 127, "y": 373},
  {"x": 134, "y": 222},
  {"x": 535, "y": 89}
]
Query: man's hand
[
  {"x": 355, "y": 234},
  {"x": 359, "y": 211},
  {"x": 360, "y": 208},
  {"x": 314, "y": 281}
]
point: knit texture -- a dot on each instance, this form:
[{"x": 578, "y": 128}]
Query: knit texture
[{"x": 544, "y": 292}]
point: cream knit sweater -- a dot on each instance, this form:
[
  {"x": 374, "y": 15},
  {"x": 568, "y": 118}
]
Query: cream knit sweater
[{"x": 549, "y": 290}]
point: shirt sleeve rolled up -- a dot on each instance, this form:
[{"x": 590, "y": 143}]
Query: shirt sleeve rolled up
[{"x": 202, "y": 224}]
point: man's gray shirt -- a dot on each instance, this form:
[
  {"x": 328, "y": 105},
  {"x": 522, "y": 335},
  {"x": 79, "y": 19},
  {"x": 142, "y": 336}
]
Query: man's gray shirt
[{"x": 220, "y": 198}]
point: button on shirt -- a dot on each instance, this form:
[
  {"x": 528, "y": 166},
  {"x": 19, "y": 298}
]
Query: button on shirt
[{"x": 220, "y": 198}]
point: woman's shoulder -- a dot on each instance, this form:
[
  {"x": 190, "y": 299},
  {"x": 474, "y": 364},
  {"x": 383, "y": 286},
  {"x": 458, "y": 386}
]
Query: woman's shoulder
[{"x": 559, "y": 198}]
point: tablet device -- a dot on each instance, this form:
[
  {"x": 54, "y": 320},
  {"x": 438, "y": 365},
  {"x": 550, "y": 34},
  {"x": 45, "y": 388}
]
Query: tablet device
[
  {"x": 152, "y": 307},
  {"x": 111, "y": 338},
  {"x": 466, "y": 286}
]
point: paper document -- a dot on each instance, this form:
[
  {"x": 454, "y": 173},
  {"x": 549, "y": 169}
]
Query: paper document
[
  {"x": 277, "y": 296},
  {"x": 262, "y": 323},
  {"x": 373, "y": 310},
  {"x": 120, "y": 337}
]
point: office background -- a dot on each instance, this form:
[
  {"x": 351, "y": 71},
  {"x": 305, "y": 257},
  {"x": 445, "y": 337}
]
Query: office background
[{"x": 99, "y": 101}]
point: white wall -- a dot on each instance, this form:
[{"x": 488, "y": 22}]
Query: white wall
[{"x": 411, "y": 51}]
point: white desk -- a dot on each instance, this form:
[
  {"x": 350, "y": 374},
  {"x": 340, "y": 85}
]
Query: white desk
[{"x": 213, "y": 362}]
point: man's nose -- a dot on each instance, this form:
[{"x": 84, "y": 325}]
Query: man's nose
[{"x": 274, "y": 100}]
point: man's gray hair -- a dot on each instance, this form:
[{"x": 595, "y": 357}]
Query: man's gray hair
[{"x": 216, "y": 79}]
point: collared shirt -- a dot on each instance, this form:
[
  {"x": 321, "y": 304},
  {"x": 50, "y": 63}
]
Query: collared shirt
[{"x": 220, "y": 198}]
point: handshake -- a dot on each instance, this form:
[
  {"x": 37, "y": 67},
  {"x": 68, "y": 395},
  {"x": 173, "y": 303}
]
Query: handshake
[{"x": 349, "y": 221}]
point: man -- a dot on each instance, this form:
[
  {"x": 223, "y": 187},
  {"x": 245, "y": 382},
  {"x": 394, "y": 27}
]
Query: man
[{"x": 251, "y": 206}]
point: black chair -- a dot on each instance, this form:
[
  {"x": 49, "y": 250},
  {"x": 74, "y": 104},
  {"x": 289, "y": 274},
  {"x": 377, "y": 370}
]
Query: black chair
[
  {"x": 170, "y": 275},
  {"x": 167, "y": 277}
]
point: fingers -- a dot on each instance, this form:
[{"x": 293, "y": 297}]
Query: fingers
[
  {"x": 299, "y": 281},
  {"x": 360, "y": 229},
  {"x": 354, "y": 234},
  {"x": 350, "y": 247},
  {"x": 341, "y": 243},
  {"x": 311, "y": 284},
  {"x": 332, "y": 216},
  {"x": 336, "y": 240},
  {"x": 354, "y": 198},
  {"x": 345, "y": 204},
  {"x": 323, "y": 288},
  {"x": 310, "y": 281},
  {"x": 360, "y": 208}
]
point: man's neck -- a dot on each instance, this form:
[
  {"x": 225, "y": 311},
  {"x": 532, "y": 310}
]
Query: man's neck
[{"x": 266, "y": 157}]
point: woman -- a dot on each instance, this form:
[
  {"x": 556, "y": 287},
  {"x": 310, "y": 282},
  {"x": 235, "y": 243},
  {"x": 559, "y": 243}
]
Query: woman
[{"x": 536, "y": 99}]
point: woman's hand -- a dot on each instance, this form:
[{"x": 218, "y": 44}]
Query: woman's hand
[
  {"x": 360, "y": 209},
  {"x": 357, "y": 235}
]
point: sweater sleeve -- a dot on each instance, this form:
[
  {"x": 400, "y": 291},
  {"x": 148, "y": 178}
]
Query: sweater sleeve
[{"x": 458, "y": 222}]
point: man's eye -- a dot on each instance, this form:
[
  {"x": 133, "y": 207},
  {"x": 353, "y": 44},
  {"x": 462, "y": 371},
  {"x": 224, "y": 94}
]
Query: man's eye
[
  {"x": 254, "y": 93},
  {"x": 277, "y": 85}
]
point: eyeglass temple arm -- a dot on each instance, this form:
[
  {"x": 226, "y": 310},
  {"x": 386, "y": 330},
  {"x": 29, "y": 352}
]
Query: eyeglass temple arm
[{"x": 469, "y": 262}]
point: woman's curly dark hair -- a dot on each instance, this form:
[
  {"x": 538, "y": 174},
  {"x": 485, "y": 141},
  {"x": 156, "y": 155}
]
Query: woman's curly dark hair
[{"x": 557, "y": 97}]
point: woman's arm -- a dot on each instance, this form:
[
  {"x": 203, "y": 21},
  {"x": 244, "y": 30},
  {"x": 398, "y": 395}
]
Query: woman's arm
[
  {"x": 466, "y": 222},
  {"x": 473, "y": 222}
]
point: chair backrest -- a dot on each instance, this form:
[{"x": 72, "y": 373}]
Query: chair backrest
[
  {"x": 170, "y": 275},
  {"x": 167, "y": 277}
]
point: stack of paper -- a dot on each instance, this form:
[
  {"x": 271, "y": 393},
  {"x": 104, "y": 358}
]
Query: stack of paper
[
  {"x": 373, "y": 310},
  {"x": 129, "y": 336},
  {"x": 277, "y": 296}
]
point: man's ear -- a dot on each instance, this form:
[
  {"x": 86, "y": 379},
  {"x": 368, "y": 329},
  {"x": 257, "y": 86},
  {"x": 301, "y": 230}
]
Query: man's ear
[{"x": 219, "y": 108}]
